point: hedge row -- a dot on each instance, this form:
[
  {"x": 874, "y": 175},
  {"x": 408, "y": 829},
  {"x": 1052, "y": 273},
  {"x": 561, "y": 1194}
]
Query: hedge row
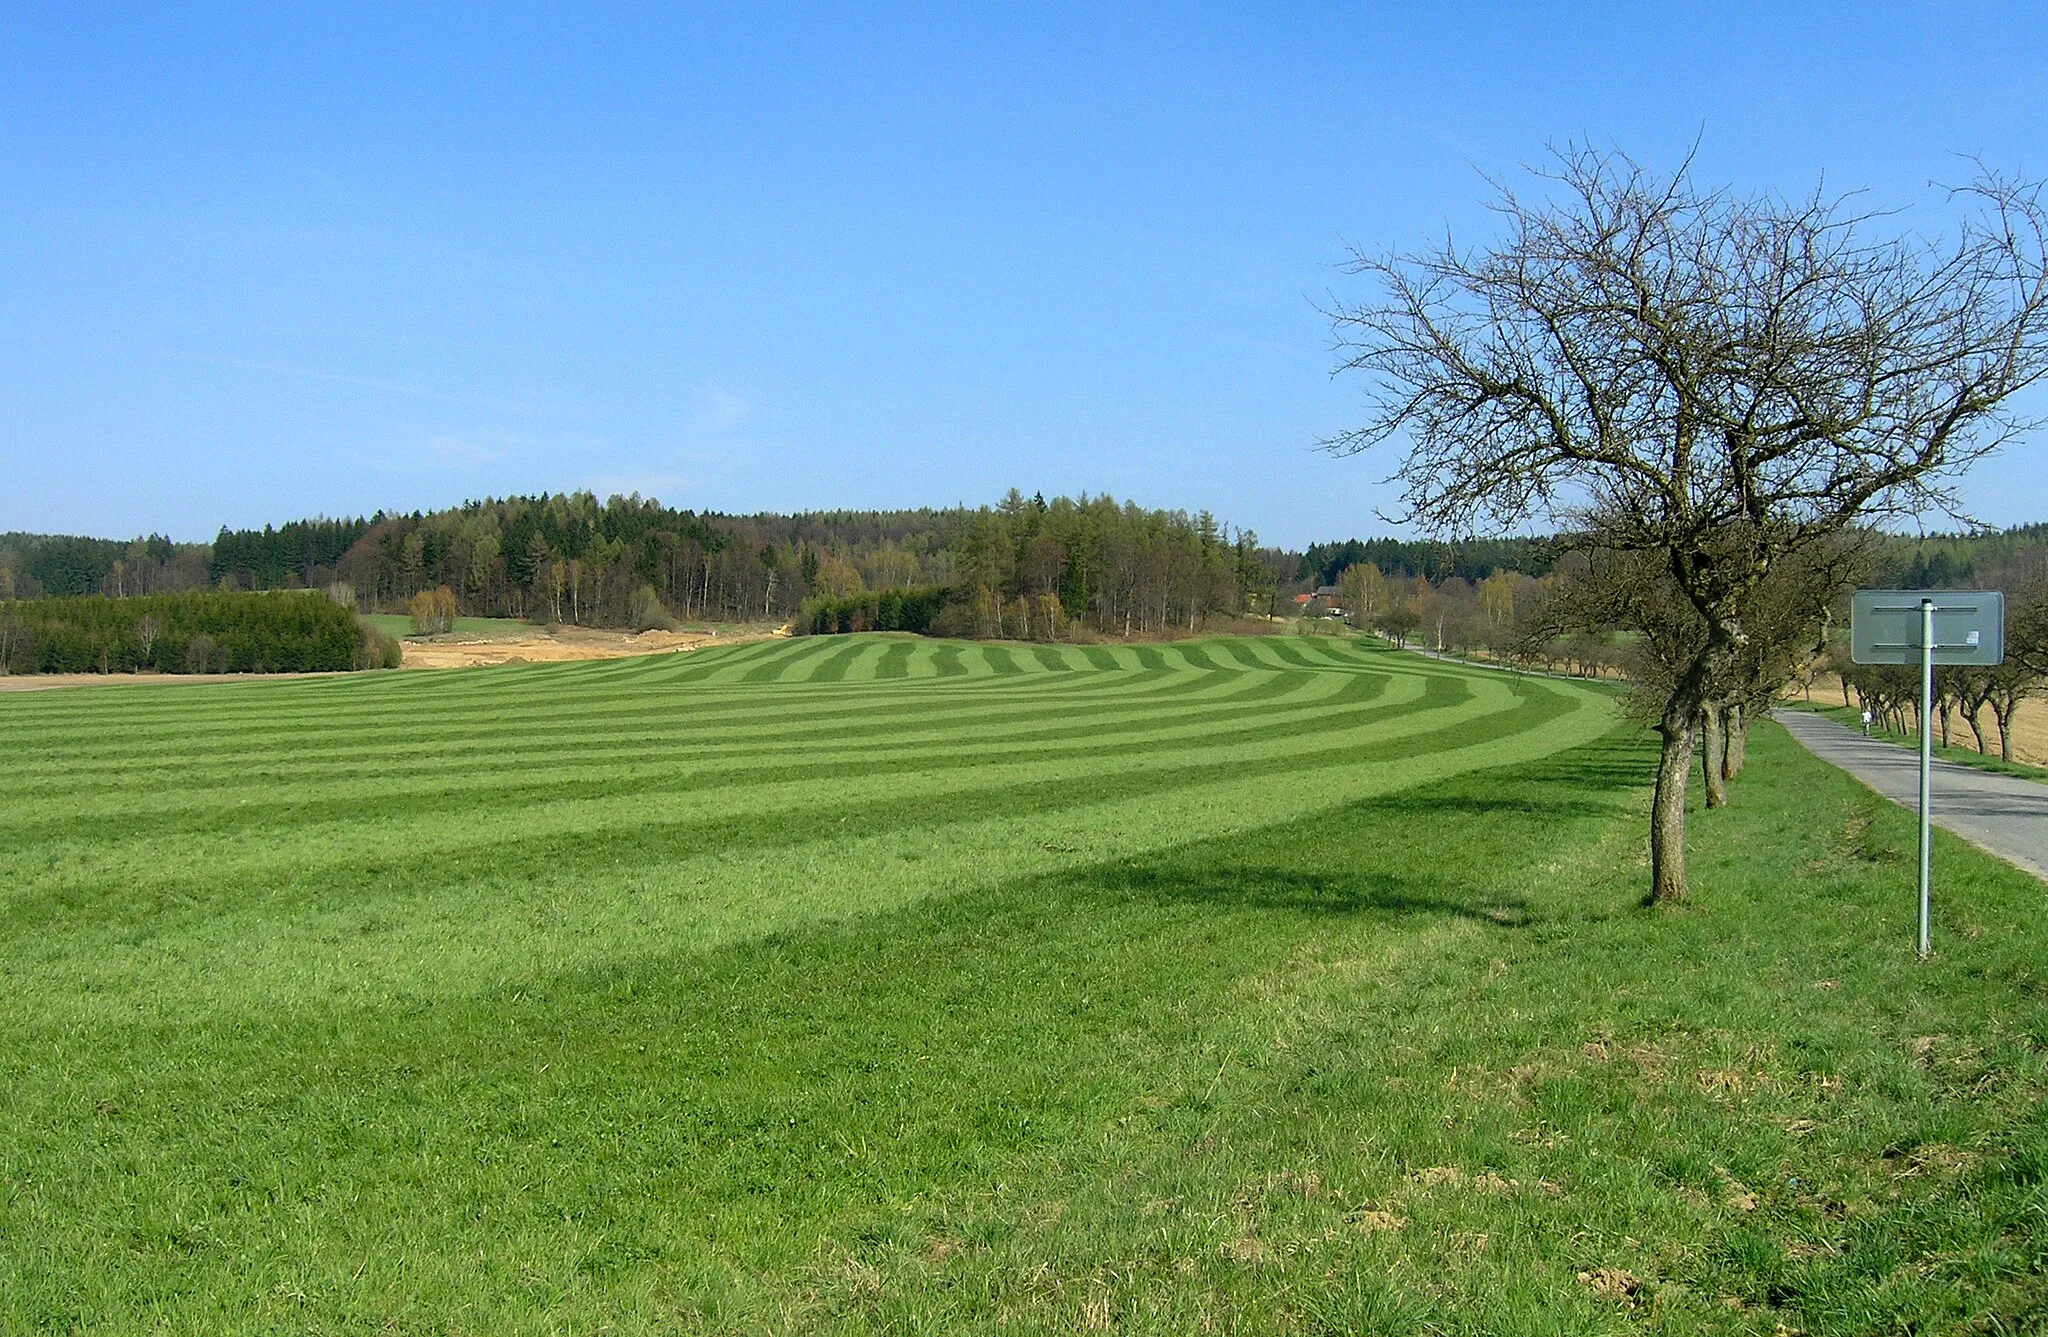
[
  {"x": 194, "y": 632},
  {"x": 875, "y": 610}
]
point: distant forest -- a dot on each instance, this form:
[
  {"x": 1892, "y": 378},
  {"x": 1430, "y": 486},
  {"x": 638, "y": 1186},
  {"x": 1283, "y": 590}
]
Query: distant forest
[
  {"x": 1472, "y": 559},
  {"x": 1025, "y": 567}
]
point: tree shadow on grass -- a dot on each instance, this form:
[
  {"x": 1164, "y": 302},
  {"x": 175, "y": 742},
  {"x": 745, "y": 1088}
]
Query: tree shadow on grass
[
  {"x": 1444, "y": 849},
  {"x": 1347, "y": 894}
]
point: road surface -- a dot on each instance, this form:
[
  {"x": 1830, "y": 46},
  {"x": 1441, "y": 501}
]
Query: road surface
[{"x": 2001, "y": 813}]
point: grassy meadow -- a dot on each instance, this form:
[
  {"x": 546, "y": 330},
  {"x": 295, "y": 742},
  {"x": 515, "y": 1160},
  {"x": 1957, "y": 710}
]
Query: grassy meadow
[
  {"x": 399, "y": 626},
  {"x": 860, "y": 984}
]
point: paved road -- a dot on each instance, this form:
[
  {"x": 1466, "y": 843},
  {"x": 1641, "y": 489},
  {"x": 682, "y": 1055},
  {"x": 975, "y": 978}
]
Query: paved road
[{"x": 2001, "y": 813}]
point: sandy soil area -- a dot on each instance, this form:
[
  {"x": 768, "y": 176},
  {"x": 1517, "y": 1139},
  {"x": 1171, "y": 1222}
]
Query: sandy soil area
[
  {"x": 535, "y": 646},
  {"x": 557, "y": 645},
  {"x": 2029, "y": 724}
]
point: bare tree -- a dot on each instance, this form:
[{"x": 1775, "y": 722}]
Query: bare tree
[
  {"x": 12, "y": 635},
  {"x": 147, "y": 629},
  {"x": 1722, "y": 380}
]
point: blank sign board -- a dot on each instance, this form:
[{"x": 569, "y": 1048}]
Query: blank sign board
[{"x": 1885, "y": 626}]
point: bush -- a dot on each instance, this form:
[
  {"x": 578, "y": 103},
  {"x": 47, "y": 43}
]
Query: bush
[
  {"x": 376, "y": 650},
  {"x": 913, "y": 609},
  {"x": 648, "y": 613},
  {"x": 195, "y": 632},
  {"x": 433, "y": 611}
]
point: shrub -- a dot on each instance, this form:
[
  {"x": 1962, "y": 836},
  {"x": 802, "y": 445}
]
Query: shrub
[
  {"x": 200, "y": 653},
  {"x": 433, "y": 611},
  {"x": 648, "y": 612},
  {"x": 913, "y": 609},
  {"x": 376, "y": 650}
]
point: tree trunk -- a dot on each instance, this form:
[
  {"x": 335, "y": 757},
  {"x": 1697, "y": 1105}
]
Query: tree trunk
[
  {"x": 1975, "y": 717},
  {"x": 2002, "y": 711},
  {"x": 1736, "y": 745},
  {"x": 1713, "y": 753},
  {"x": 1667, "y": 809}
]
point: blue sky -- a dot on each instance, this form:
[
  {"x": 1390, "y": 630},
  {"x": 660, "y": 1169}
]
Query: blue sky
[{"x": 264, "y": 263}]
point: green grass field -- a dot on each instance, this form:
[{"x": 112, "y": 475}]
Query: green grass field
[
  {"x": 869, "y": 984},
  {"x": 400, "y": 626}
]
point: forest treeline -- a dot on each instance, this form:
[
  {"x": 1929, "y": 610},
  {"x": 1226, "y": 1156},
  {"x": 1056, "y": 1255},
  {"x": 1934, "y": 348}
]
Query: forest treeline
[
  {"x": 193, "y": 631},
  {"x": 37, "y": 566},
  {"x": 1470, "y": 559},
  {"x": 1587, "y": 619},
  {"x": 1483, "y": 596},
  {"x": 1025, "y": 567},
  {"x": 1014, "y": 568}
]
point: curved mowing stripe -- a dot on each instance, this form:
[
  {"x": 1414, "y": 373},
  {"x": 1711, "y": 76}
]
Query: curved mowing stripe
[
  {"x": 613, "y": 769},
  {"x": 895, "y": 662},
  {"x": 775, "y": 665},
  {"x": 153, "y": 835},
  {"x": 1100, "y": 658},
  {"x": 754, "y": 826},
  {"x": 833, "y": 668}
]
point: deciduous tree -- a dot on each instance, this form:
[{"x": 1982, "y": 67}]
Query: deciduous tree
[{"x": 1722, "y": 380}]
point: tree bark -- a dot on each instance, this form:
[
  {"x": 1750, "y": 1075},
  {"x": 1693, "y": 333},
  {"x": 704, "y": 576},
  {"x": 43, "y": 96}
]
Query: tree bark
[
  {"x": 1736, "y": 744},
  {"x": 1713, "y": 753},
  {"x": 1667, "y": 809}
]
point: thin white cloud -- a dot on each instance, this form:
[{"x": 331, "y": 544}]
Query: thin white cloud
[
  {"x": 717, "y": 412},
  {"x": 342, "y": 378},
  {"x": 455, "y": 451}
]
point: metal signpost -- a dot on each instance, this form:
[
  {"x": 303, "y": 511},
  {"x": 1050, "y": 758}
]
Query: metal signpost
[{"x": 1926, "y": 627}]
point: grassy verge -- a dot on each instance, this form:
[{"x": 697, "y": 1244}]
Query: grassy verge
[
  {"x": 1960, "y": 755},
  {"x": 1413, "y": 1060},
  {"x": 399, "y": 625}
]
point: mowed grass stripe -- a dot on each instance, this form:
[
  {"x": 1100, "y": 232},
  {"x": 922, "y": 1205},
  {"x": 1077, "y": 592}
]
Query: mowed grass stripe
[
  {"x": 895, "y": 662},
  {"x": 606, "y": 829},
  {"x": 608, "y": 743},
  {"x": 440, "y": 760},
  {"x": 236, "y": 738},
  {"x": 141, "y": 709},
  {"x": 235, "y": 734},
  {"x": 728, "y": 777},
  {"x": 433, "y": 753},
  {"x": 638, "y": 764},
  {"x": 403, "y": 806},
  {"x": 326, "y": 878}
]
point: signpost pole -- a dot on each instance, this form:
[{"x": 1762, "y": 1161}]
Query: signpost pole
[
  {"x": 1882, "y": 631},
  {"x": 1926, "y": 759}
]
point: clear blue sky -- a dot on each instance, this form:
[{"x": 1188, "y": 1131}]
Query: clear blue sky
[{"x": 262, "y": 263}]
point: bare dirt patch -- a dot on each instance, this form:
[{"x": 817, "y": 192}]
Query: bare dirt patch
[
  {"x": 550, "y": 645},
  {"x": 554, "y": 645}
]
